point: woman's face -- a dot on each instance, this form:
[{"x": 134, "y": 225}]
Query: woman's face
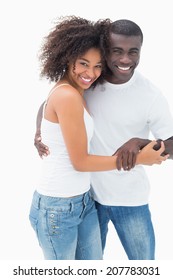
[{"x": 86, "y": 69}]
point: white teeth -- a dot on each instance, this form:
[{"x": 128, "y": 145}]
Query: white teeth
[
  {"x": 123, "y": 68},
  {"x": 86, "y": 80}
]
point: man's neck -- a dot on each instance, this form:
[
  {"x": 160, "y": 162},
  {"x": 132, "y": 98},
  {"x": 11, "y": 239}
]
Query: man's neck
[{"x": 114, "y": 80}]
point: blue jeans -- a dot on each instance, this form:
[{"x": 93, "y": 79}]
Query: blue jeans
[
  {"x": 134, "y": 228},
  {"x": 66, "y": 228}
]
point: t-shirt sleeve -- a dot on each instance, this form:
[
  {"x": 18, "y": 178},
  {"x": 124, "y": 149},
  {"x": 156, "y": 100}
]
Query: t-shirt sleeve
[{"x": 160, "y": 119}]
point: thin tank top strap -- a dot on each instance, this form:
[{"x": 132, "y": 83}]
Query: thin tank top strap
[{"x": 65, "y": 84}]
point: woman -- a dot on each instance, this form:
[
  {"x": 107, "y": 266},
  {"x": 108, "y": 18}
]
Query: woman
[{"x": 63, "y": 213}]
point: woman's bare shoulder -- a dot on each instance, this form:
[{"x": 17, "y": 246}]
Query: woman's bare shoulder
[{"x": 66, "y": 96}]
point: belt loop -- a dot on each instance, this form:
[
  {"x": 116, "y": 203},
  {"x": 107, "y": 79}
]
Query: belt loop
[
  {"x": 86, "y": 198},
  {"x": 37, "y": 200},
  {"x": 71, "y": 206},
  {"x": 89, "y": 193}
]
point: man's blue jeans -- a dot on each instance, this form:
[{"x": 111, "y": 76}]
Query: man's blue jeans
[
  {"x": 134, "y": 228},
  {"x": 66, "y": 228}
]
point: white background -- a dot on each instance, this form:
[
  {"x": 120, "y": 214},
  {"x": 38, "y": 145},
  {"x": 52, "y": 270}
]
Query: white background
[{"x": 23, "y": 25}]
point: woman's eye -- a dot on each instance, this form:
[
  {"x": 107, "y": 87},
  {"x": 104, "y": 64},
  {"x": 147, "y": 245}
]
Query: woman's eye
[{"x": 83, "y": 63}]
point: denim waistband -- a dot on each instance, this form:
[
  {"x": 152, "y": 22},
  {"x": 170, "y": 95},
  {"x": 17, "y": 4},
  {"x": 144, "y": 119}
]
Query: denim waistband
[{"x": 40, "y": 200}]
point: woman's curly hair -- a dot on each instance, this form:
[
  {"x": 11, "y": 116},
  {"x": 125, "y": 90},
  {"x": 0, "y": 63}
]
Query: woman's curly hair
[
  {"x": 70, "y": 38},
  {"x": 104, "y": 26}
]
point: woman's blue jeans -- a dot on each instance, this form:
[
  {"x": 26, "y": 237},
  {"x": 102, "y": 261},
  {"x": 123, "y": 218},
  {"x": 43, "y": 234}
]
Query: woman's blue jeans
[
  {"x": 134, "y": 228},
  {"x": 66, "y": 228}
]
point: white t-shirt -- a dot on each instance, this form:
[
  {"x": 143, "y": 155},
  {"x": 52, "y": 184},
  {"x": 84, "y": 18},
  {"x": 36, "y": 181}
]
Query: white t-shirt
[{"x": 121, "y": 112}]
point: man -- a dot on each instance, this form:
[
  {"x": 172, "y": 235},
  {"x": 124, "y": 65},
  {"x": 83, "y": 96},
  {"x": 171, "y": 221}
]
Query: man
[{"x": 127, "y": 106}]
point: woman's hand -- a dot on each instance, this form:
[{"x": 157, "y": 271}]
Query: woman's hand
[{"x": 148, "y": 156}]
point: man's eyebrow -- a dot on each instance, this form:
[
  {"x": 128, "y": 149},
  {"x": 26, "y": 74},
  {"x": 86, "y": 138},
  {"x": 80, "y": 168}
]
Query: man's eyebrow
[{"x": 119, "y": 48}]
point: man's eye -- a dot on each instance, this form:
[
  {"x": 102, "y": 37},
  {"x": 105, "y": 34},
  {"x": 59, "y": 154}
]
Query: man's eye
[
  {"x": 116, "y": 51},
  {"x": 134, "y": 53}
]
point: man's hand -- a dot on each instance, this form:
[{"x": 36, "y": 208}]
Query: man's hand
[
  {"x": 168, "y": 147},
  {"x": 127, "y": 153},
  {"x": 42, "y": 149}
]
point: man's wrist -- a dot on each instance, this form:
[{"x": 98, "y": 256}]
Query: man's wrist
[
  {"x": 38, "y": 133},
  {"x": 158, "y": 145},
  {"x": 141, "y": 143}
]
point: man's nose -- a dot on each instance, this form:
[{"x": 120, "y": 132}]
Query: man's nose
[{"x": 125, "y": 59}]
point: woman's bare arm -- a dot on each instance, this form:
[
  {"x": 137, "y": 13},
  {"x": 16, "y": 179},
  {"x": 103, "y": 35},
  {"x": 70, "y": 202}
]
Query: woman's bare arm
[{"x": 147, "y": 155}]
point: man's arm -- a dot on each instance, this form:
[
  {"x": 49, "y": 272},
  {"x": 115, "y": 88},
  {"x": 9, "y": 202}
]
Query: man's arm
[
  {"x": 42, "y": 149},
  {"x": 127, "y": 153},
  {"x": 168, "y": 146}
]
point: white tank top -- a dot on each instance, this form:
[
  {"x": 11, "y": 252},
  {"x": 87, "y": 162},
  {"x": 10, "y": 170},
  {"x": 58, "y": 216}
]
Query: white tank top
[{"x": 58, "y": 176}]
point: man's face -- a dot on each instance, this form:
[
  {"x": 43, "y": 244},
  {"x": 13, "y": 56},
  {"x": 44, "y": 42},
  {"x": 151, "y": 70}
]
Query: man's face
[{"x": 123, "y": 57}]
